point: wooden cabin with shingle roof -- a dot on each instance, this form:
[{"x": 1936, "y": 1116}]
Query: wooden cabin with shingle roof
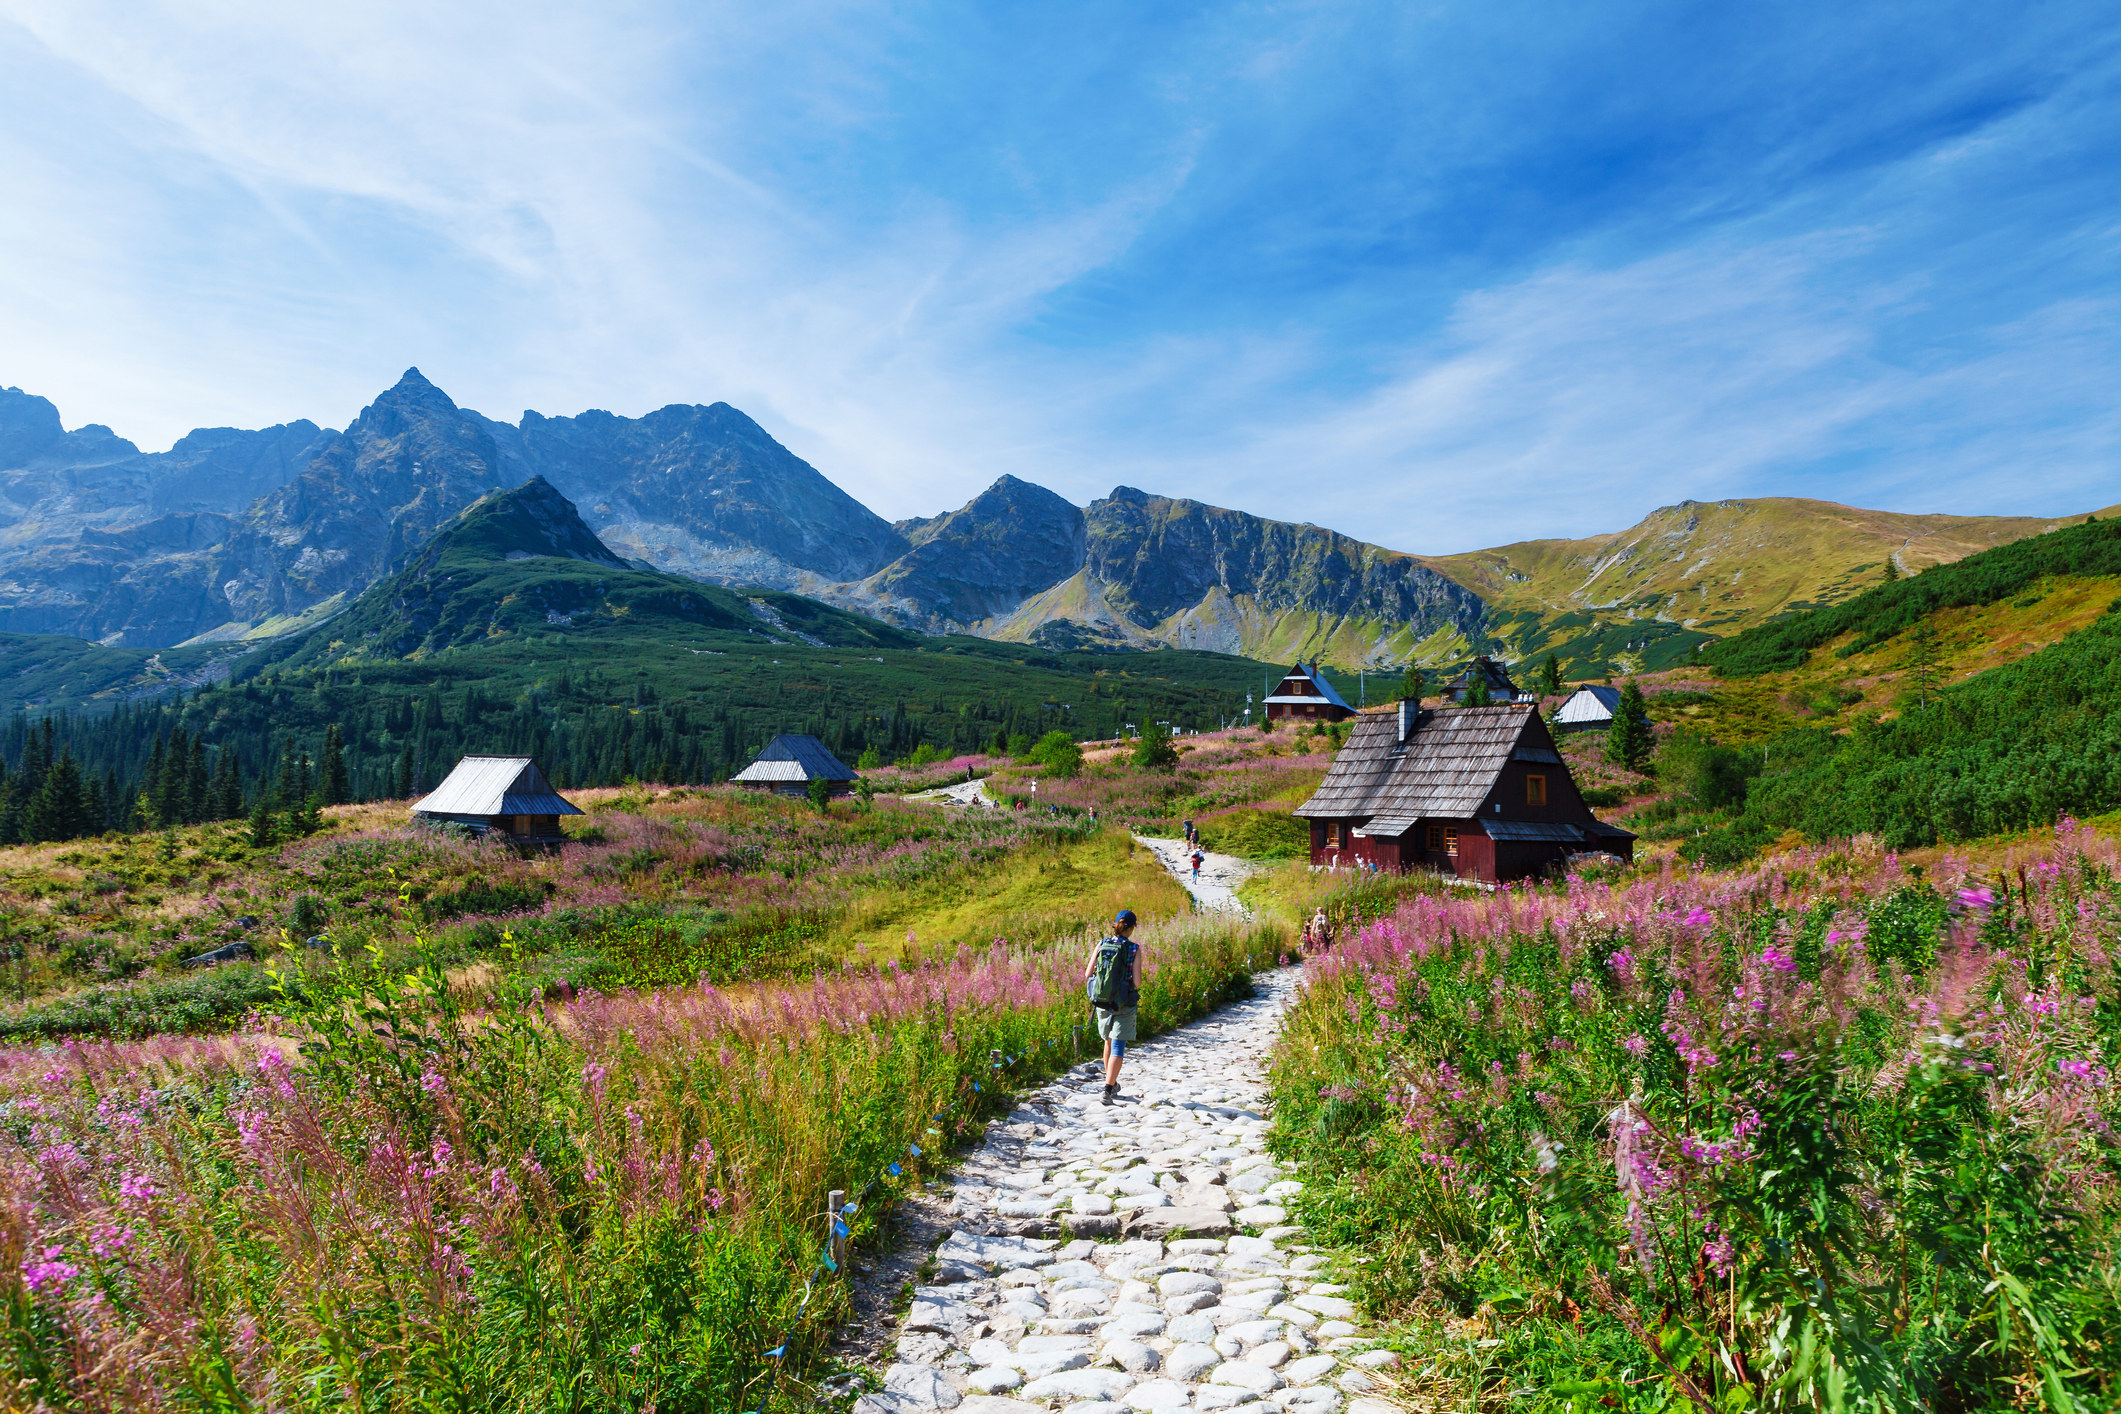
[
  {"x": 1479, "y": 792},
  {"x": 1305, "y": 695}
]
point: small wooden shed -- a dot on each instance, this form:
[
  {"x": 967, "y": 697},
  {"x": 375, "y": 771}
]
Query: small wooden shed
[
  {"x": 1475, "y": 791},
  {"x": 791, "y": 762},
  {"x": 1589, "y": 709},
  {"x": 500, "y": 795},
  {"x": 1497, "y": 677},
  {"x": 1305, "y": 695}
]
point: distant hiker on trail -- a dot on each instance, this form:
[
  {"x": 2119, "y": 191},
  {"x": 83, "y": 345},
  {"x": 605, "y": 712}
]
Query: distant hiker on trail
[
  {"x": 1319, "y": 929},
  {"x": 1198, "y": 860},
  {"x": 1113, "y": 978},
  {"x": 1190, "y": 837}
]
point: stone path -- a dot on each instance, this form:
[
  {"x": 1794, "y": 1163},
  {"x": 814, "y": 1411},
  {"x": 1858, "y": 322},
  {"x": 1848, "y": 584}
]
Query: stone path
[
  {"x": 1136, "y": 1258},
  {"x": 967, "y": 793},
  {"x": 1220, "y": 874}
]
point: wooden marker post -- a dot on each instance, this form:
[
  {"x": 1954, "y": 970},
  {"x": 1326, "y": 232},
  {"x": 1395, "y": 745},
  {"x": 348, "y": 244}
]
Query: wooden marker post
[{"x": 834, "y": 1243}]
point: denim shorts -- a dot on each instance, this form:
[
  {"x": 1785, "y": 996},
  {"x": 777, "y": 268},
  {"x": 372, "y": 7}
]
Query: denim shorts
[{"x": 1117, "y": 1025}]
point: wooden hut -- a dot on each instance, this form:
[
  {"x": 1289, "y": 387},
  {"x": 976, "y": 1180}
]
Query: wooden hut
[
  {"x": 1475, "y": 791},
  {"x": 1589, "y": 709},
  {"x": 1305, "y": 695},
  {"x": 500, "y": 795},
  {"x": 790, "y": 763},
  {"x": 1497, "y": 677}
]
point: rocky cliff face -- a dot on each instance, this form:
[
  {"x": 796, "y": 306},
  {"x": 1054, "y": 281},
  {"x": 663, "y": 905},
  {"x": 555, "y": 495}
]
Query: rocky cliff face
[
  {"x": 703, "y": 491},
  {"x": 982, "y": 560}
]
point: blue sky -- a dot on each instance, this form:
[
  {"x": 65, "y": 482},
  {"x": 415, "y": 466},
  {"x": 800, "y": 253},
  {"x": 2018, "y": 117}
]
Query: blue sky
[{"x": 1441, "y": 276}]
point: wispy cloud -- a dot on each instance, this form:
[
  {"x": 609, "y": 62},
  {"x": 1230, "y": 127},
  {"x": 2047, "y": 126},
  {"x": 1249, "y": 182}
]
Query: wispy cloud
[{"x": 1438, "y": 277}]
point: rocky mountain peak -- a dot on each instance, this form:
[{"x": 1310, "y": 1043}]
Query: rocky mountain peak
[
  {"x": 533, "y": 521},
  {"x": 29, "y": 426}
]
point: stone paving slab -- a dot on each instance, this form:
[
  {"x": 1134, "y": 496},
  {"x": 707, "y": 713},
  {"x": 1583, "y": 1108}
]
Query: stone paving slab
[{"x": 1128, "y": 1259}]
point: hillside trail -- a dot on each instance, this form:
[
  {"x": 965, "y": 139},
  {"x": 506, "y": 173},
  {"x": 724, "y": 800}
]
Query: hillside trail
[
  {"x": 1136, "y": 1258},
  {"x": 1220, "y": 874}
]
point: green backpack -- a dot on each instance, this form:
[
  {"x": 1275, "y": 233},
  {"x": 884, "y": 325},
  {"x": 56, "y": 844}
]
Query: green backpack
[{"x": 1112, "y": 978}]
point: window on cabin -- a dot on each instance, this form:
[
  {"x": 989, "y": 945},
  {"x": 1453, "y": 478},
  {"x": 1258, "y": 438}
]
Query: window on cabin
[
  {"x": 1435, "y": 838},
  {"x": 1535, "y": 790},
  {"x": 1450, "y": 840},
  {"x": 1333, "y": 836}
]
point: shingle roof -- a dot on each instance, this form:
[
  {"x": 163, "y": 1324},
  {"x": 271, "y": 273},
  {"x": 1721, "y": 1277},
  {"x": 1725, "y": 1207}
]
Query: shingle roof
[
  {"x": 1539, "y": 830},
  {"x": 1447, "y": 767},
  {"x": 1589, "y": 704},
  {"x": 795, "y": 758},
  {"x": 1310, "y": 672},
  {"x": 495, "y": 785}
]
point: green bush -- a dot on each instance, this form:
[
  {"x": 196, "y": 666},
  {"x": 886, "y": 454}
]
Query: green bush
[{"x": 1256, "y": 834}]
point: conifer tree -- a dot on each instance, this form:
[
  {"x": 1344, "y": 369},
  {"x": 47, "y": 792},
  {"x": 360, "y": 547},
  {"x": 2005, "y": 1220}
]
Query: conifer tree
[
  {"x": 1550, "y": 675},
  {"x": 59, "y": 811},
  {"x": 335, "y": 788},
  {"x": 1413, "y": 685},
  {"x": 1476, "y": 694},
  {"x": 263, "y": 828},
  {"x": 1628, "y": 740}
]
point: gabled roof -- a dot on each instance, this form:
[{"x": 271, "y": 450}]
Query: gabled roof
[
  {"x": 495, "y": 785},
  {"x": 1589, "y": 704},
  {"x": 794, "y": 758},
  {"x": 1447, "y": 767},
  {"x": 1498, "y": 677},
  {"x": 1311, "y": 674}
]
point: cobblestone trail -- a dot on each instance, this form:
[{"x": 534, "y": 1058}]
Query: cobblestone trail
[{"x": 1136, "y": 1258}]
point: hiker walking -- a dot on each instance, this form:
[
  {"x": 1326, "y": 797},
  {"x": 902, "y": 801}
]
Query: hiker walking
[
  {"x": 1113, "y": 978},
  {"x": 1198, "y": 860},
  {"x": 1320, "y": 929},
  {"x": 1191, "y": 838}
]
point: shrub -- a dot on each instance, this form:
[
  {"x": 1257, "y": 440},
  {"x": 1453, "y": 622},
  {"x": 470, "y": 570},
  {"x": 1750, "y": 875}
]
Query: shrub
[{"x": 1059, "y": 753}]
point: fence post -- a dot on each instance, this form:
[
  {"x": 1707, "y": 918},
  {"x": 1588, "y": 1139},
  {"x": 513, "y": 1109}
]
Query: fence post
[
  {"x": 834, "y": 1243},
  {"x": 1075, "y": 1042}
]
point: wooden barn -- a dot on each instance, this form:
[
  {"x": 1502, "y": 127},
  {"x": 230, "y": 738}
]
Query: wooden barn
[
  {"x": 1305, "y": 695},
  {"x": 1500, "y": 688},
  {"x": 498, "y": 795},
  {"x": 1589, "y": 709},
  {"x": 1475, "y": 791},
  {"x": 790, "y": 763}
]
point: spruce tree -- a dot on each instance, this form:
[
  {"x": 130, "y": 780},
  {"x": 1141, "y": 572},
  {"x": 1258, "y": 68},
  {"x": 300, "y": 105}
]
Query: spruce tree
[
  {"x": 263, "y": 829},
  {"x": 336, "y": 790},
  {"x": 1628, "y": 740},
  {"x": 1476, "y": 693},
  {"x": 59, "y": 811},
  {"x": 1413, "y": 685},
  {"x": 1154, "y": 752},
  {"x": 1550, "y": 675}
]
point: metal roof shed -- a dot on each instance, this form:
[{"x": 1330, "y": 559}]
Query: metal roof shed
[
  {"x": 503, "y": 795},
  {"x": 791, "y": 762},
  {"x": 1588, "y": 709}
]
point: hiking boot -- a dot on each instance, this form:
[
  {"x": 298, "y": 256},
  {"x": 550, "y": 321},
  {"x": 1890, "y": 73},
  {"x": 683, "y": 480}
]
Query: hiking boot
[{"x": 1111, "y": 1093}]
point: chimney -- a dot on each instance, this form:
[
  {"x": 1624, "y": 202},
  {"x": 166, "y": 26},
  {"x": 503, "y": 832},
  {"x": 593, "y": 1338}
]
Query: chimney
[{"x": 1407, "y": 708}]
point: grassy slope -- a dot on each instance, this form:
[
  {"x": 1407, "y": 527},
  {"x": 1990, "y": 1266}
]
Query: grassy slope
[{"x": 1721, "y": 567}]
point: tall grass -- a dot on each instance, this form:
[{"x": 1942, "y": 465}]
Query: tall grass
[
  {"x": 607, "y": 1204},
  {"x": 1817, "y": 1135}
]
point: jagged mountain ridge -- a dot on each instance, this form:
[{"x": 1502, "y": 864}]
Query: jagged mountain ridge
[{"x": 234, "y": 534}]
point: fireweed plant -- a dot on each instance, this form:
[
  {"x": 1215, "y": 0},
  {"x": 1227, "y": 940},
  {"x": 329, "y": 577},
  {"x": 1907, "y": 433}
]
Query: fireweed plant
[
  {"x": 611, "y": 1203},
  {"x": 1813, "y": 1135}
]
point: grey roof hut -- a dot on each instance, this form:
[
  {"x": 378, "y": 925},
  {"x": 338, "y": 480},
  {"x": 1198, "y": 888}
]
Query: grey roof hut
[
  {"x": 1500, "y": 688},
  {"x": 498, "y": 795},
  {"x": 791, "y": 762},
  {"x": 1589, "y": 709},
  {"x": 1479, "y": 792}
]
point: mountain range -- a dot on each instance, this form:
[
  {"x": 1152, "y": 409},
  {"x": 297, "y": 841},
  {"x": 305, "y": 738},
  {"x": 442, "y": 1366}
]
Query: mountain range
[{"x": 248, "y": 535}]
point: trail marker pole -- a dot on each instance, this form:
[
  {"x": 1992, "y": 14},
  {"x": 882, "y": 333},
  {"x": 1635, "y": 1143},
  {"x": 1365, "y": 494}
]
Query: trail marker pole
[{"x": 836, "y": 1244}]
